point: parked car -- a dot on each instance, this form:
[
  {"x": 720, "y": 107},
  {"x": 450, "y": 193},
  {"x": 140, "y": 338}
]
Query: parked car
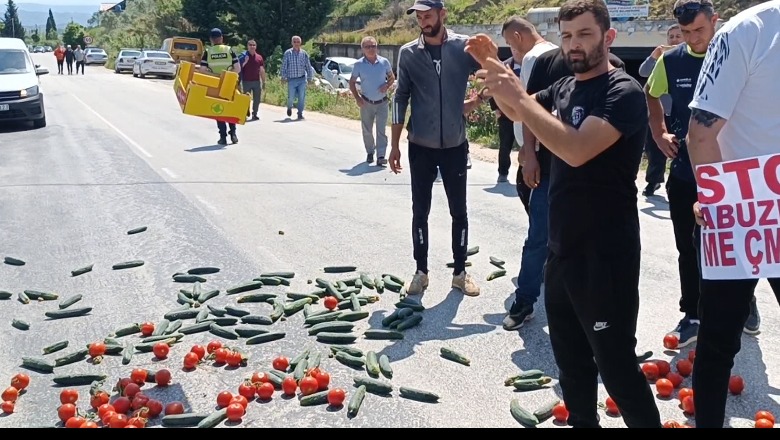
[
  {"x": 338, "y": 70},
  {"x": 125, "y": 60},
  {"x": 39, "y": 49},
  {"x": 156, "y": 63},
  {"x": 183, "y": 48},
  {"x": 21, "y": 95},
  {"x": 95, "y": 55}
]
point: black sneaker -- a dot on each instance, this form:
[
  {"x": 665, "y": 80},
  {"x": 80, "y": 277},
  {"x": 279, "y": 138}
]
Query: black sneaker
[
  {"x": 753, "y": 321},
  {"x": 686, "y": 331},
  {"x": 519, "y": 313},
  {"x": 222, "y": 141},
  {"x": 233, "y": 138},
  {"x": 370, "y": 158},
  {"x": 289, "y": 112},
  {"x": 300, "y": 116},
  {"x": 650, "y": 189}
]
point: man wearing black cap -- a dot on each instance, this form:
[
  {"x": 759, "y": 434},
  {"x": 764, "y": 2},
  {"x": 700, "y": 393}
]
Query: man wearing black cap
[
  {"x": 433, "y": 73},
  {"x": 218, "y": 58}
]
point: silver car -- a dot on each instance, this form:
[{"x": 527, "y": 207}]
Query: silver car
[
  {"x": 125, "y": 60},
  {"x": 95, "y": 55}
]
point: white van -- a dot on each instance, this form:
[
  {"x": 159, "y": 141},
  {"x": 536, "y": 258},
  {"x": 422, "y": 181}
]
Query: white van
[{"x": 21, "y": 96}]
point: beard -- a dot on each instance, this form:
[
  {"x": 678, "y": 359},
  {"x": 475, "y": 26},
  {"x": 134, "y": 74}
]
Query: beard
[
  {"x": 432, "y": 31},
  {"x": 588, "y": 60}
]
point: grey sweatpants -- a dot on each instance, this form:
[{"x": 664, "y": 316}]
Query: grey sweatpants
[
  {"x": 369, "y": 115},
  {"x": 255, "y": 88}
]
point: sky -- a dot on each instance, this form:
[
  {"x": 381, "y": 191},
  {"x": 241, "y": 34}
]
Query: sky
[{"x": 62, "y": 2}]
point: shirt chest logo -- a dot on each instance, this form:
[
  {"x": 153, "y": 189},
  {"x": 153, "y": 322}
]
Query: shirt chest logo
[
  {"x": 577, "y": 115},
  {"x": 218, "y": 56},
  {"x": 684, "y": 83}
]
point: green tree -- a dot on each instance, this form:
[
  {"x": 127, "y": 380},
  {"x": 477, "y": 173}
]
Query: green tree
[
  {"x": 51, "y": 25},
  {"x": 73, "y": 34},
  {"x": 13, "y": 27},
  {"x": 35, "y": 37}
]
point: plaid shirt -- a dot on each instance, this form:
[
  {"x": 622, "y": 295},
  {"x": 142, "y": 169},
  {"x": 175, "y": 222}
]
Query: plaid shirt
[{"x": 296, "y": 65}]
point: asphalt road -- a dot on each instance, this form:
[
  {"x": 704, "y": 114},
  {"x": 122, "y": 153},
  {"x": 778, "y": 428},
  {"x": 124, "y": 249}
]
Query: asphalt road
[{"x": 117, "y": 154}]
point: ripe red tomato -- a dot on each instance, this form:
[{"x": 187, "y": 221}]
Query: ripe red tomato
[
  {"x": 103, "y": 409},
  {"x": 664, "y": 387},
  {"x": 684, "y": 367},
  {"x": 258, "y": 378},
  {"x": 671, "y": 342},
  {"x": 651, "y": 371},
  {"x": 106, "y": 418},
  {"x": 99, "y": 398},
  {"x": 265, "y": 391},
  {"x": 672, "y": 424},
  {"x": 162, "y": 377},
  {"x": 675, "y": 378},
  {"x": 560, "y": 413},
  {"x": 147, "y": 328},
  {"x": 765, "y": 415},
  {"x": 138, "y": 375},
  {"x": 20, "y": 381},
  {"x": 289, "y": 386},
  {"x": 89, "y": 424},
  {"x": 155, "y": 408},
  {"x": 224, "y": 398},
  {"x": 67, "y": 396},
  {"x": 764, "y": 423},
  {"x": 199, "y": 350},
  {"x": 121, "y": 405},
  {"x": 336, "y": 397},
  {"x": 308, "y": 385},
  {"x": 66, "y": 411},
  {"x": 118, "y": 421},
  {"x": 97, "y": 349},
  {"x": 174, "y": 408},
  {"x": 736, "y": 385},
  {"x": 221, "y": 355},
  {"x": 121, "y": 384},
  {"x": 323, "y": 381},
  {"x": 240, "y": 399},
  {"x": 234, "y": 412},
  {"x": 331, "y": 303},
  {"x": 131, "y": 390},
  {"x": 8, "y": 407},
  {"x": 247, "y": 389},
  {"x": 234, "y": 359},
  {"x": 139, "y": 401},
  {"x": 663, "y": 368},
  {"x": 683, "y": 393},
  {"x": 281, "y": 363},
  {"x": 191, "y": 360},
  {"x": 136, "y": 422},
  {"x": 161, "y": 350},
  {"x": 213, "y": 346},
  {"x": 75, "y": 422},
  {"x": 11, "y": 394},
  {"x": 688, "y": 406},
  {"x": 612, "y": 408}
]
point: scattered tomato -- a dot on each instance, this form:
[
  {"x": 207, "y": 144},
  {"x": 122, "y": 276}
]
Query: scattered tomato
[
  {"x": 309, "y": 385},
  {"x": 289, "y": 386},
  {"x": 66, "y": 411},
  {"x": 191, "y": 360},
  {"x": 675, "y": 378},
  {"x": 199, "y": 350},
  {"x": 147, "y": 328},
  {"x": 336, "y": 397},
  {"x": 174, "y": 408},
  {"x": 560, "y": 413},
  {"x": 10, "y": 395},
  {"x": 247, "y": 389},
  {"x": 155, "y": 408},
  {"x": 764, "y": 423},
  {"x": 234, "y": 359},
  {"x": 672, "y": 424},
  {"x": 139, "y": 401},
  {"x": 121, "y": 384},
  {"x": 650, "y": 369},
  {"x": 68, "y": 396},
  {"x": 281, "y": 363},
  {"x": 331, "y": 303},
  {"x": 664, "y": 387},
  {"x": 684, "y": 367},
  {"x": 684, "y": 392},
  {"x": 20, "y": 381},
  {"x": 314, "y": 372},
  {"x": 118, "y": 421},
  {"x": 106, "y": 417},
  {"x": 131, "y": 390},
  {"x": 8, "y": 407},
  {"x": 161, "y": 350},
  {"x": 258, "y": 378},
  {"x": 224, "y": 398},
  {"x": 612, "y": 408},
  {"x": 671, "y": 342},
  {"x": 240, "y": 399},
  {"x": 663, "y": 368},
  {"x": 89, "y": 424},
  {"x": 139, "y": 376},
  {"x": 99, "y": 398},
  {"x": 688, "y": 406},
  {"x": 692, "y": 355},
  {"x": 736, "y": 385},
  {"x": 221, "y": 355},
  {"x": 213, "y": 346},
  {"x": 162, "y": 377},
  {"x": 323, "y": 381},
  {"x": 103, "y": 409},
  {"x": 765, "y": 415},
  {"x": 130, "y": 426},
  {"x": 234, "y": 412},
  {"x": 265, "y": 391},
  {"x": 97, "y": 349},
  {"x": 75, "y": 422},
  {"x": 122, "y": 405},
  {"x": 136, "y": 422}
]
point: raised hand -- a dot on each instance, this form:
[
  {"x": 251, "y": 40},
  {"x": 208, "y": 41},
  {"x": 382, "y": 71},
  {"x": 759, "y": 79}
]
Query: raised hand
[{"x": 482, "y": 48}]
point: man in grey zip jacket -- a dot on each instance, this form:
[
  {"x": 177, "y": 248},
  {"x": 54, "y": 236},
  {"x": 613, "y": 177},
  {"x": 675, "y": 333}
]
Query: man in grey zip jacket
[{"x": 433, "y": 73}]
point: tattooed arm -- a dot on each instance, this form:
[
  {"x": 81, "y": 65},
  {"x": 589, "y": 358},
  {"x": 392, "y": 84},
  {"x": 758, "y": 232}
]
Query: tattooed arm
[{"x": 703, "y": 130}]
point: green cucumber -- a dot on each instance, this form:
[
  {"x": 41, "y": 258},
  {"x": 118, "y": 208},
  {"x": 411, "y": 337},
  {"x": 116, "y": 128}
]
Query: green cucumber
[
  {"x": 81, "y": 271},
  {"x": 245, "y": 287},
  {"x": 379, "y": 284},
  {"x": 300, "y": 358},
  {"x": 531, "y": 384},
  {"x": 298, "y": 296},
  {"x": 159, "y": 338},
  {"x": 248, "y": 332},
  {"x": 222, "y": 332},
  {"x": 55, "y": 347},
  {"x": 324, "y": 317},
  {"x": 187, "y": 420},
  {"x": 392, "y": 285},
  {"x": 20, "y": 325},
  {"x": 68, "y": 313},
  {"x": 352, "y": 351},
  {"x": 269, "y": 281},
  {"x": 256, "y": 298},
  {"x": 296, "y": 306},
  {"x": 418, "y": 395},
  {"x": 182, "y": 299},
  {"x": 384, "y": 335},
  {"x": 300, "y": 369},
  {"x": 188, "y": 279},
  {"x": 367, "y": 281},
  {"x": 356, "y": 304},
  {"x": 111, "y": 341},
  {"x": 321, "y": 283},
  {"x": 331, "y": 326},
  {"x": 356, "y": 400},
  {"x": 23, "y": 298},
  {"x": 216, "y": 311},
  {"x": 71, "y": 358},
  {"x": 127, "y": 330},
  {"x": 389, "y": 319},
  {"x": 265, "y": 337},
  {"x": 127, "y": 353},
  {"x": 384, "y": 366},
  {"x": 450, "y": 354},
  {"x": 160, "y": 327},
  {"x": 237, "y": 312},
  {"x": 196, "y": 328},
  {"x": 452, "y": 264},
  {"x": 225, "y": 321},
  {"x": 207, "y": 295},
  {"x": 14, "y": 261},
  {"x": 38, "y": 364},
  {"x": 409, "y": 322},
  {"x": 339, "y": 269},
  {"x": 342, "y": 286},
  {"x": 278, "y": 310},
  {"x": 136, "y": 230},
  {"x": 5, "y": 295},
  {"x": 67, "y": 302},
  {"x": 410, "y": 305},
  {"x": 336, "y": 338},
  {"x": 203, "y": 270},
  {"x": 257, "y": 319},
  {"x": 372, "y": 364},
  {"x": 374, "y": 386},
  {"x": 201, "y": 316},
  {"x": 331, "y": 290},
  {"x": 472, "y": 251},
  {"x": 527, "y": 374},
  {"x": 314, "y": 360},
  {"x": 644, "y": 356},
  {"x": 75, "y": 380},
  {"x": 127, "y": 264},
  {"x": 282, "y": 274},
  {"x": 496, "y": 274},
  {"x": 306, "y": 311},
  {"x": 546, "y": 411},
  {"x": 175, "y": 315},
  {"x": 146, "y": 348},
  {"x": 213, "y": 419},
  {"x": 320, "y": 398},
  {"x": 396, "y": 279},
  {"x": 352, "y": 316},
  {"x": 276, "y": 378},
  {"x": 497, "y": 262},
  {"x": 523, "y": 416},
  {"x": 349, "y": 360},
  {"x": 44, "y": 296}
]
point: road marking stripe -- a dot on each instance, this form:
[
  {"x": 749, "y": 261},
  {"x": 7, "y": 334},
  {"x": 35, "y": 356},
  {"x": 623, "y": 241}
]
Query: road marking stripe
[
  {"x": 207, "y": 204},
  {"x": 126, "y": 138},
  {"x": 169, "y": 173}
]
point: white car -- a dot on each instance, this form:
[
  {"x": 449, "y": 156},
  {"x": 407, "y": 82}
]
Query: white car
[
  {"x": 338, "y": 70},
  {"x": 156, "y": 63},
  {"x": 94, "y": 55},
  {"x": 125, "y": 60},
  {"x": 21, "y": 95}
]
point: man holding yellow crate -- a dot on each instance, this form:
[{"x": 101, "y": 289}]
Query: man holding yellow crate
[{"x": 216, "y": 59}]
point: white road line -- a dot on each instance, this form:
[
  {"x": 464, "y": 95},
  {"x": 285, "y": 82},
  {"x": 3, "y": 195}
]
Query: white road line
[
  {"x": 170, "y": 173},
  {"x": 207, "y": 204},
  {"x": 126, "y": 138}
]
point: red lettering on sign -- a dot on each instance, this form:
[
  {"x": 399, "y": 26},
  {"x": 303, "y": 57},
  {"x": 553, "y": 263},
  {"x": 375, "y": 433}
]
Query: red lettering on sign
[
  {"x": 707, "y": 217},
  {"x": 703, "y": 174},
  {"x": 770, "y": 174},
  {"x": 725, "y": 216},
  {"x": 772, "y": 242},
  {"x": 710, "y": 249},
  {"x": 742, "y": 169},
  {"x": 746, "y": 220},
  {"x": 765, "y": 207},
  {"x": 726, "y": 248},
  {"x": 753, "y": 258}
]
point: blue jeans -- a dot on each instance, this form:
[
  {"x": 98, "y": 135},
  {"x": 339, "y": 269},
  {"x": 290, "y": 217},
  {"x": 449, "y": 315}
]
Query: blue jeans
[
  {"x": 529, "y": 281},
  {"x": 296, "y": 87}
]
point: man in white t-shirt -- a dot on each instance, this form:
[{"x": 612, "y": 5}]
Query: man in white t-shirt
[{"x": 734, "y": 115}]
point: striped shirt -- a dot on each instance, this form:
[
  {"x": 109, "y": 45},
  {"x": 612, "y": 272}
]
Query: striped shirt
[{"x": 296, "y": 65}]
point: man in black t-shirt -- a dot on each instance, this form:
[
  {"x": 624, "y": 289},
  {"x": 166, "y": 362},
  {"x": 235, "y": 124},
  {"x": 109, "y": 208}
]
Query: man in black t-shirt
[{"x": 592, "y": 270}]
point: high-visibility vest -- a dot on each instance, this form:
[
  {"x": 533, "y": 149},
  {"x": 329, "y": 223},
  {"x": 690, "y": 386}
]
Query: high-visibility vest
[{"x": 219, "y": 58}]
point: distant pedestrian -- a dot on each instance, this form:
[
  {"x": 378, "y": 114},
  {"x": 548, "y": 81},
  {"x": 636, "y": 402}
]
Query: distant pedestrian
[
  {"x": 376, "y": 77},
  {"x": 59, "y": 54},
  {"x": 70, "y": 56},
  {"x": 297, "y": 72},
  {"x": 253, "y": 75},
  {"x": 78, "y": 56}
]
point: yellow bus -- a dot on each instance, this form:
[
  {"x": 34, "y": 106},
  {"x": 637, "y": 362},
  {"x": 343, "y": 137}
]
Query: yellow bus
[{"x": 184, "y": 48}]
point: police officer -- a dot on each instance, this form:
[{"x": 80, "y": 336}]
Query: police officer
[{"x": 216, "y": 59}]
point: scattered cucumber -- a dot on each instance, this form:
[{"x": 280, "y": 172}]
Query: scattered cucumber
[
  {"x": 5, "y": 295},
  {"x": 196, "y": 328},
  {"x": 546, "y": 411},
  {"x": 522, "y": 415},
  {"x": 282, "y": 274},
  {"x": 350, "y": 360},
  {"x": 245, "y": 287},
  {"x": 14, "y": 261},
  {"x": 527, "y": 374},
  {"x": 644, "y": 356},
  {"x": 137, "y": 230},
  {"x": 352, "y": 351},
  {"x": 222, "y": 332},
  {"x": 55, "y": 347},
  {"x": 353, "y": 316},
  {"x": 44, "y": 296},
  {"x": 256, "y": 298},
  {"x": 75, "y": 380},
  {"x": 336, "y": 338},
  {"x": 452, "y": 264},
  {"x": 409, "y": 322},
  {"x": 68, "y": 313},
  {"x": 20, "y": 325},
  {"x": 71, "y": 358},
  {"x": 450, "y": 354},
  {"x": 410, "y": 305},
  {"x": 384, "y": 366},
  {"x": 496, "y": 274},
  {"x": 384, "y": 335},
  {"x": 531, "y": 384},
  {"x": 249, "y": 331},
  {"x": 356, "y": 400},
  {"x": 184, "y": 278},
  {"x": 128, "y": 264},
  {"x": 213, "y": 419},
  {"x": 497, "y": 262},
  {"x": 187, "y": 420},
  {"x": 320, "y": 398},
  {"x": 127, "y": 353},
  {"x": 257, "y": 320},
  {"x": 38, "y": 364},
  {"x": 419, "y": 395},
  {"x": 375, "y": 386},
  {"x": 67, "y": 302},
  {"x": 331, "y": 326},
  {"x": 472, "y": 251},
  {"x": 203, "y": 270},
  {"x": 127, "y": 330},
  {"x": 237, "y": 312},
  {"x": 372, "y": 364},
  {"x": 160, "y": 327},
  {"x": 265, "y": 337},
  {"x": 81, "y": 270},
  {"x": 23, "y": 298},
  {"x": 339, "y": 269}
]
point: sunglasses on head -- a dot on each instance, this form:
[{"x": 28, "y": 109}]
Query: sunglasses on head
[{"x": 691, "y": 8}]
